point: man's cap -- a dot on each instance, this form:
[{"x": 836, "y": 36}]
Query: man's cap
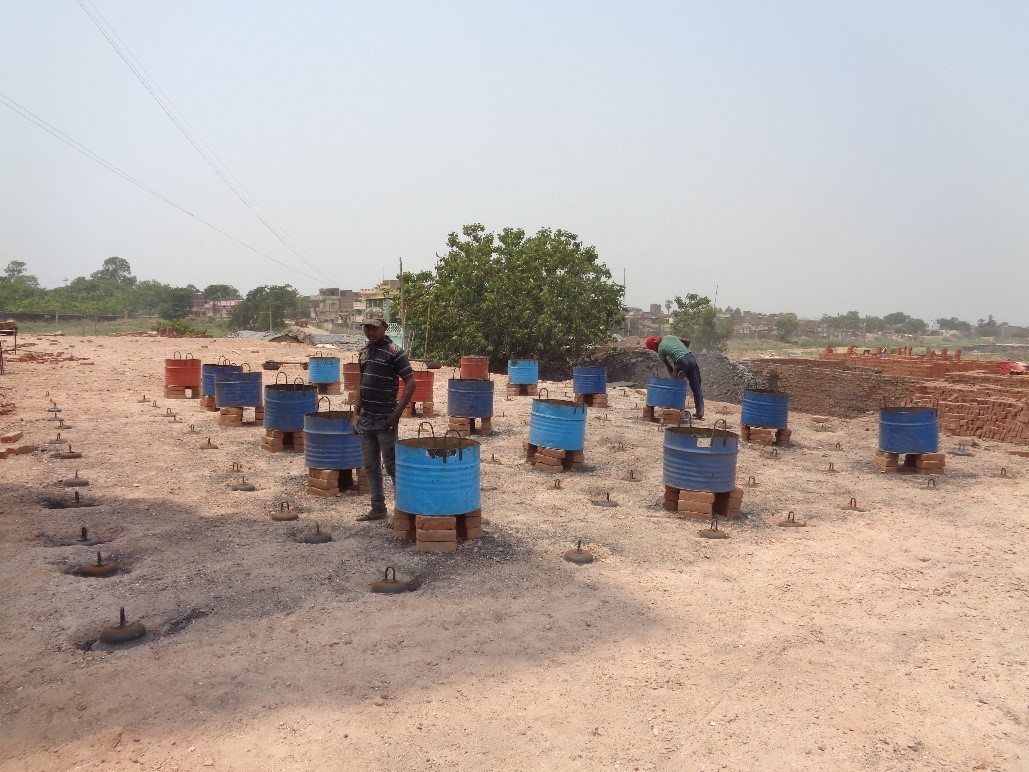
[
  {"x": 373, "y": 316},
  {"x": 652, "y": 342}
]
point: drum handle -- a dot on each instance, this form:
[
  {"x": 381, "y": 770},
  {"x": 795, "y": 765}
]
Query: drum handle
[
  {"x": 460, "y": 450},
  {"x": 431, "y": 429},
  {"x": 329, "y": 401},
  {"x": 539, "y": 394},
  {"x": 283, "y": 375}
]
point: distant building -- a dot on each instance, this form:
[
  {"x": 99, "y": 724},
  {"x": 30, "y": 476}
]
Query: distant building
[
  {"x": 212, "y": 309},
  {"x": 333, "y": 306}
]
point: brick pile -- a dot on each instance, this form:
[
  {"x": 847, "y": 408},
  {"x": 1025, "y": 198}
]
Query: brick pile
[
  {"x": 437, "y": 533},
  {"x": 757, "y": 435},
  {"x": 905, "y": 363},
  {"x": 521, "y": 389},
  {"x": 591, "y": 400},
  {"x": 665, "y": 416},
  {"x": 277, "y": 442},
  {"x": 991, "y": 407},
  {"x": 14, "y": 450},
  {"x": 703, "y": 505},
  {"x": 552, "y": 459},
  {"x": 232, "y": 417},
  {"x": 330, "y": 483},
  {"x": 467, "y": 426},
  {"x": 921, "y": 463}
]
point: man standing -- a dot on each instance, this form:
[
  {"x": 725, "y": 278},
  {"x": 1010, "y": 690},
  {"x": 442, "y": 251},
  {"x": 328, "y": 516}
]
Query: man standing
[
  {"x": 679, "y": 361},
  {"x": 376, "y": 412}
]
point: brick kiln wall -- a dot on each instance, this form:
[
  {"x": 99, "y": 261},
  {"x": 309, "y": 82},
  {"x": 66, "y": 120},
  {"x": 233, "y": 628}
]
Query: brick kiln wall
[
  {"x": 831, "y": 388},
  {"x": 971, "y": 404}
]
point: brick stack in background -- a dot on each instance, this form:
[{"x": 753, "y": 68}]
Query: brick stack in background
[
  {"x": 904, "y": 363},
  {"x": 991, "y": 407},
  {"x": 207, "y": 403},
  {"x": 482, "y": 427},
  {"x": 553, "y": 460},
  {"x": 665, "y": 416},
  {"x": 591, "y": 400},
  {"x": 174, "y": 392},
  {"x": 328, "y": 389},
  {"x": 329, "y": 483},
  {"x": 11, "y": 449},
  {"x": 426, "y": 409},
  {"x": 702, "y": 505},
  {"x": 233, "y": 416},
  {"x": 521, "y": 389},
  {"x": 757, "y": 435}
]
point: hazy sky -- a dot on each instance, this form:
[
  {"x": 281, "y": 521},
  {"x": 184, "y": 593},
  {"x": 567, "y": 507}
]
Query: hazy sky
[{"x": 814, "y": 157}]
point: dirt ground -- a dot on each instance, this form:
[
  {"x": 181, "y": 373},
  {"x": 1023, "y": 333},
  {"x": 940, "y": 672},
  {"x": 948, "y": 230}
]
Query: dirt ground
[{"x": 888, "y": 637}]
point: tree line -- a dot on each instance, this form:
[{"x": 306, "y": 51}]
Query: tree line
[{"x": 113, "y": 290}]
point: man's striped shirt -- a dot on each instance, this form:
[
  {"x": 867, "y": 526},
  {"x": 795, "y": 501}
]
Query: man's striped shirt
[{"x": 382, "y": 367}]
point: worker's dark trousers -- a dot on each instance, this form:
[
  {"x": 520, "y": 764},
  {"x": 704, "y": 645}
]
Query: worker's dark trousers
[{"x": 687, "y": 367}]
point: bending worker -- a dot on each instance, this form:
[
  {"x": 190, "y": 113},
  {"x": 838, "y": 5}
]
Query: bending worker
[{"x": 679, "y": 361}]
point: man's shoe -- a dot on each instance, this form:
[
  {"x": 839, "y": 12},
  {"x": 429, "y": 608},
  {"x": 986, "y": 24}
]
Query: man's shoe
[
  {"x": 699, "y": 416},
  {"x": 372, "y": 514}
]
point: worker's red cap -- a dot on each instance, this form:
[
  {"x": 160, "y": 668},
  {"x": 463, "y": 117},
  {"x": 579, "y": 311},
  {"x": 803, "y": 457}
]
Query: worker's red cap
[{"x": 652, "y": 342}]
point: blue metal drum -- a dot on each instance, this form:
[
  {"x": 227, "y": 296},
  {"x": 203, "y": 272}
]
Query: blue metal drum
[
  {"x": 909, "y": 430},
  {"x": 323, "y": 369},
  {"x": 208, "y": 374},
  {"x": 700, "y": 459},
  {"x": 558, "y": 424},
  {"x": 470, "y": 398},
  {"x": 765, "y": 408},
  {"x": 330, "y": 442},
  {"x": 666, "y": 392},
  {"x": 438, "y": 476},
  {"x": 241, "y": 389},
  {"x": 523, "y": 372},
  {"x": 286, "y": 404},
  {"x": 589, "y": 380}
]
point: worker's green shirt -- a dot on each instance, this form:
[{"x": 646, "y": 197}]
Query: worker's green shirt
[{"x": 671, "y": 349}]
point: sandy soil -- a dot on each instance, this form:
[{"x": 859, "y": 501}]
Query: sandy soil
[{"x": 888, "y": 638}]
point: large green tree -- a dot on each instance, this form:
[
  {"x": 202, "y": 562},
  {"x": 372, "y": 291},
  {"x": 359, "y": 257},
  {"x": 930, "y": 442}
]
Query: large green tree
[
  {"x": 221, "y": 292},
  {"x": 787, "y": 325},
  {"x": 266, "y": 307},
  {"x": 695, "y": 318},
  {"x": 509, "y": 295}
]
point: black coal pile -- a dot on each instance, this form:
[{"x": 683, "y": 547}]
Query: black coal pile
[{"x": 723, "y": 379}]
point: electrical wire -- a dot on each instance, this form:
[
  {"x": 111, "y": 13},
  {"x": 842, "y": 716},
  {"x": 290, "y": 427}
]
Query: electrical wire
[
  {"x": 49, "y": 128},
  {"x": 192, "y": 136}
]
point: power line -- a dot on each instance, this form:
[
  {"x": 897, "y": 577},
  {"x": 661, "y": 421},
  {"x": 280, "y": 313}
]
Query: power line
[
  {"x": 193, "y": 137},
  {"x": 28, "y": 115}
]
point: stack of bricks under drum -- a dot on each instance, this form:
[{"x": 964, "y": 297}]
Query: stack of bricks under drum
[
  {"x": 207, "y": 403},
  {"x": 329, "y": 388},
  {"x": 427, "y": 409},
  {"x": 703, "y": 505},
  {"x": 233, "y": 416},
  {"x": 592, "y": 400},
  {"x": 176, "y": 392},
  {"x": 920, "y": 463},
  {"x": 468, "y": 426},
  {"x": 435, "y": 533},
  {"x": 522, "y": 389},
  {"x": 330, "y": 483},
  {"x": 663, "y": 415},
  {"x": 552, "y": 459},
  {"x": 760, "y": 436},
  {"x": 277, "y": 442}
]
